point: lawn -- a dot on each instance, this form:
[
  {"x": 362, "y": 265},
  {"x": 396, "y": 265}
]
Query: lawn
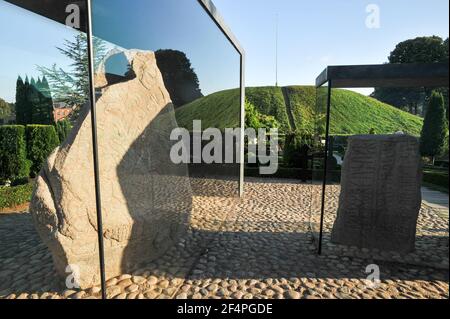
[{"x": 352, "y": 113}]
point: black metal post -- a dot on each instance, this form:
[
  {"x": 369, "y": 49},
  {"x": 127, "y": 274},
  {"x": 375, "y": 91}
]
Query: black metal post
[
  {"x": 324, "y": 183},
  {"x": 242, "y": 125},
  {"x": 92, "y": 97}
]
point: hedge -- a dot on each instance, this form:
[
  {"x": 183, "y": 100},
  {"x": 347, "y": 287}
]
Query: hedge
[
  {"x": 41, "y": 141},
  {"x": 63, "y": 129},
  {"x": 15, "y": 196},
  {"x": 13, "y": 153},
  {"x": 438, "y": 178},
  {"x": 296, "y": 148}
]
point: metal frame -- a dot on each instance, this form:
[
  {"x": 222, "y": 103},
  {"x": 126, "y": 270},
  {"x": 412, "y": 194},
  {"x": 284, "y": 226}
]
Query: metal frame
[
  {"x": 324, "y": 182},
  {"x": 209, "y": 7},
  {"x": 386, "y": 75},
  {"x": 92, "y": 96},
  {"x": 212, "y": 11},
  {"x": 383, "y": 75}
]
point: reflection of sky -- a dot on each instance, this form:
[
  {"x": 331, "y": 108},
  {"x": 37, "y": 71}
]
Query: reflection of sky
[
  {"x": 138, "y": 24},
  {"x": 312, "y": 34},
  {"x": 171, "y": 24},
  {"x": 27, "y": 40}
]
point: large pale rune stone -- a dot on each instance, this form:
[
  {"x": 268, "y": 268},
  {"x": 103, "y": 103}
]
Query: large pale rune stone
[
  {"x": 380, "y": 193},
  {"x": 146, "y": 200}
]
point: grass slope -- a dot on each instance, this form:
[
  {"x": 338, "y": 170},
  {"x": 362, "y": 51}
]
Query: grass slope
[
  {"x": 352, "y": 113},
  {"x": 219, "y": 110}
]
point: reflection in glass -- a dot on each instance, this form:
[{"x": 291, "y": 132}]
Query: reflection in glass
[
  {"x": 50, "y": 244},
  {"x": 157, "y": 93}
]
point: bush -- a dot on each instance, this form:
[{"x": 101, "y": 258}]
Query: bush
[
  {"x": 63, "y": 129},
  {"x": 13, "y": 153},
  {"x": 15, "y": 196},
  {"x": 436, "y": 177},
  {"x": 41, "y": 141},
  {"x": 20, "y": 181},
  {"x": 296, "y": 150},
  {"x": 254, "y": 119}
]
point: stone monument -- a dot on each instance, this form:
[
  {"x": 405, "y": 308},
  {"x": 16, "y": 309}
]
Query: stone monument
[
  {"x": 146, "y": 200},
  {"x": 380, "y": 195}
]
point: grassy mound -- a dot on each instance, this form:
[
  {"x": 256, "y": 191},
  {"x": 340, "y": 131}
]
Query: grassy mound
[{"x": 352, "y": 113}]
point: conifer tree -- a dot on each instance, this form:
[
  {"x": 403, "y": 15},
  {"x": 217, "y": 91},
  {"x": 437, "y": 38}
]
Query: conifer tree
[
  {"x": 20, "y": 101},
  {"x": 434, "y": 131}
]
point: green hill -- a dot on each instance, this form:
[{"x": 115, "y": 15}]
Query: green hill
[
  {"x": 220, "y": 110},
  {"x": 293, "y": 107}
]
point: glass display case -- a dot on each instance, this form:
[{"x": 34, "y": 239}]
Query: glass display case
[
  {"x": 370, "y": 197},
  {"x": 134, "y": 116}
]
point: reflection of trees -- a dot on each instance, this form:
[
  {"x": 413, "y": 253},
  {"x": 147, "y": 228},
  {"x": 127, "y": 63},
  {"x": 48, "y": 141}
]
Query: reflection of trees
[
  {"x": 72, "y": 86},
  {"x": 34, "y": 104},
  {"x": 6, "y": 109},
  {"x": 179, "y": 77}
]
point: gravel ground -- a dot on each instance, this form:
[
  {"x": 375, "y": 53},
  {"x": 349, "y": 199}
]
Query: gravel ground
[{"x": 257, "y": 247}]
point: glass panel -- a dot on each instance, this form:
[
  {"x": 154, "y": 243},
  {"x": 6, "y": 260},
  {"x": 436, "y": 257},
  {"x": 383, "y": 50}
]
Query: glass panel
[
  {"x": 374, "y": 171},
  {"x": 165, "y": 74},
  {"x": 49, "y": 247}
]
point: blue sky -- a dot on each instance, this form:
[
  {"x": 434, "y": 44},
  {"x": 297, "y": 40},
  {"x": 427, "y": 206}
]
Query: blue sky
[{"x": 312, "y": 34}]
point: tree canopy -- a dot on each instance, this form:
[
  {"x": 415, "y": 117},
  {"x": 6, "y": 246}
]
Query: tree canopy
[
  {"x": 419, "y": 50},
  {"x": 5, "y": 109},
  {"x": 179, "y": 77},
  {"x": 434, "y": 132},
  {"x": 34, "y": 103},
  {"x": 72, "y": 86}
]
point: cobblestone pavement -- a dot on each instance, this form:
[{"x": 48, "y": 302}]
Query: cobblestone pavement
[{"x": 256, "y": 247}]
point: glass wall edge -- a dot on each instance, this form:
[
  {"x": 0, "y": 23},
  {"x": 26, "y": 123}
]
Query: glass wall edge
[{"x": 211, "y": 9}]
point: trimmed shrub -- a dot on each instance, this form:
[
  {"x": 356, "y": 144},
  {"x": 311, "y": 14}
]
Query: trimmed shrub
[
  {"x": 63, "y": 129},
  {"x": 436, "y": 177},
  {"x": 13, "y": 153},
  {"x": 296, "y": 150},
  {"x": 434, "y": 131},
  {"x": 41, "y": 141},
  {"x": 20, "y": 181},
  {"x": 15, "y": 196}
]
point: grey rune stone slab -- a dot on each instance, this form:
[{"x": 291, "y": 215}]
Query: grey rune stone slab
[{"x": 380, "y": 196}]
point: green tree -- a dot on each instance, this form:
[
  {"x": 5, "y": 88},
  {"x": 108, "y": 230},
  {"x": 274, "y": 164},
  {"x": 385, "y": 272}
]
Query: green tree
[
  {"x": 434, "y": 131},
  {"x": 256, "y": 120},
  {"x": 34, "y": 103},
  {"x": 22, "y": 115},
  {"x": 63, "y": 129},
  {"x": 13, "y": 153},
  {"x": 419, "y": 50},
  {"x": 41, "y": 141},
  {"x": 42, "y": 103},
  {"x": 179, "y": 77},
  {"x": 72, "y": 86},
  {"x": 5, "y": 109}
]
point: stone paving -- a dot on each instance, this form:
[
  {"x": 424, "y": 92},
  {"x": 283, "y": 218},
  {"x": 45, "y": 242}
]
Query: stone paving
[{"x": 257, "y": 247}]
